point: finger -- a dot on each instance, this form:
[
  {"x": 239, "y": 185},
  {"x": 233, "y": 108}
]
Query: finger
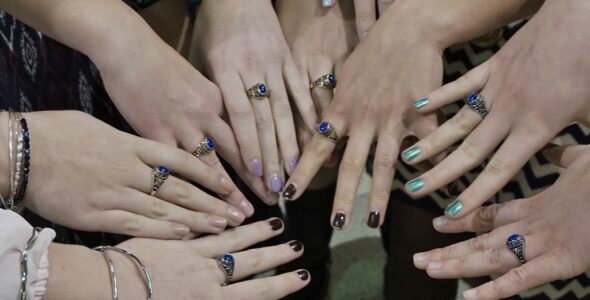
[
  {"x": 382, "y": 5},
  {"x": 536, "y": 272},
  {"x": 444, "y": 137},
  {"x": 383, "y": 171},
  {"x": 276, "y": 287},
  {"x": 518, "y": 148},
  {"x": 239, "y": 238},
  {"x": 563, "y": 156},
  {"x": 366, "y": 16},
  {"x": 476, "y": 147},
  {"x": 485, "y": 218},
  {"x": 243, "y": 122},
  {"x": 127, "y": 223},
  {"x": 473, "y": 80},
  {"x": 321, "y": 96},
  {"x": 184, "y": 165},
  {"x": 349, "y": 175},
  {"x": 285, "y": 127},
  {"x": 298, "y": 88},
  {"x": 258, "y": 260}
]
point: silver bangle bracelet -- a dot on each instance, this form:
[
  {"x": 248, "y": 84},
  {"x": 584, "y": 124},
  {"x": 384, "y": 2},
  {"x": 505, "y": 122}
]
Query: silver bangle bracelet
[
  {"x": 24, "y": 258},
  {"x": 112, "y": 271},
  {"x": 146, "y": 275}
]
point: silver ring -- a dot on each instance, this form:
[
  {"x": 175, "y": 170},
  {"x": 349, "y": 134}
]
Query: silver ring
[
  {"x": 258, "y": 91},
  {"x": 326, "y": 129},
  {"x": 226, "y": 264},
  {"x": 477, "y": 102},
  {"x": 327, "y": 81},
  {"x": 159, "y": 175},
  {"x": 206, "y": 146},
  {"x": 516, "y": 244}
]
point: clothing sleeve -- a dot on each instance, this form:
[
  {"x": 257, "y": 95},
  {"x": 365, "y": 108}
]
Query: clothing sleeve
[{"x": 14, "y": 234}]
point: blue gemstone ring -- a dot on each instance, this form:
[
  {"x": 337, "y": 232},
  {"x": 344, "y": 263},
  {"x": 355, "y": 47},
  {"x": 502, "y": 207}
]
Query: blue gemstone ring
[
  {"x": 327, "y": 81},
  {"x": 226, "y": 264},
  {"x": 326, "y": 129},
  {"x": 159, "y": 175},
  {"x": 477, "y": 102},
  {"x": 515, "y": 243},
  {"x": 258, "y": 91},
  {"x": 206, "y": 146}
]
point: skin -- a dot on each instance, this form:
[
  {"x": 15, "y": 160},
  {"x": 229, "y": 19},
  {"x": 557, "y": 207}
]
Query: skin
[
  {"x": 239, "y": 45},
  {"x": 553, "y": 224},
  {"x": 397, "y": 62},
  {"x": 366, "y": 13},
  {"x": 191, "y": 272},
  {"x": 69, "y": 161},
  {"x": 515, "y": 83}
]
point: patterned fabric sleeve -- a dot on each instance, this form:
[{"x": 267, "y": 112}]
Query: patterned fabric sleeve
[{"x": 14, "y": 234}]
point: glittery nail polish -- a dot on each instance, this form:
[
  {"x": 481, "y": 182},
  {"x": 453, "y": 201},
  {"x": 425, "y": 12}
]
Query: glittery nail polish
[
  {"x": 303, "y": 275},
  {"x": 373, "y": 220},
  {"x": 339, "y": 220},
  {"x": 290, "y": 192},
  {"x": 296, "y": 245}
]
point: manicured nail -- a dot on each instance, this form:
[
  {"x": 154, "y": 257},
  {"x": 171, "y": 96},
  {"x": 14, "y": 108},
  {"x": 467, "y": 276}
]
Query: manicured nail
[
  {"x": 296, "y": 245},
  {"x": 290, "y": 191},
  {"x": 440, "y": 222},
  {"x": 469, "y": 294},
  {"x": 292, "y": 165},
  {"x": 276, "y": 224},
  {"x": 181, "y": 230},
  {"x": 373, "y": 220},
  {"x": 327, "y": 3},
  {"x": 454, "y": 208},
  {"x": 416, "y": 184},
  {"x": 246, "y": 208},
  {"x": 303, "y": 275},
  {"x": 276, "y": 184},
  {"x": 339, "y": 220},
  {"x": 420, "y": 258},
  {"x": 434, "y": 265},
  {"x": 218, "y": 222},
  {"x": 235, "y": 215},
  {"x": 257, "y": 168},
  {"x": 421, "y": 103},
  {"x": 412, "y": 153}
]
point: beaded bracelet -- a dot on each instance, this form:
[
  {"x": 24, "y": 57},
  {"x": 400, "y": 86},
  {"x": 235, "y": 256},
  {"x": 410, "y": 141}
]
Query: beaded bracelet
[
  {"x": 146, "y": 275},
  {"x": 19, "y": 157}
]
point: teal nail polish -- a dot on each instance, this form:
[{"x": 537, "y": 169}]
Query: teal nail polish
[
  {"x": 421, "y": 103},
  {"x": 412, "y": 153},
  {"x": 415, "y": 185},
  {"x": 454, "y": 208}
]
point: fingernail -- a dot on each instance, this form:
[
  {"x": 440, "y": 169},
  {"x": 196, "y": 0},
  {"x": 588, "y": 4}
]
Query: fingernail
[
  {"x": 363, "y": 34},
  {"x": 339, "y": 220},
  {"x": 246, "y": 208},
  {"x": 256, "y": 168},
  {"x": 440, "y": 222},
  {"x": 226, "y": 184},
  {"x": 303, "y": 275},
  {"x": 290, "y": 191},
  {"x": 434, "y": 265},
  {"x": 327, "y": 3},
  {"x": 276, "y": 224},
  {"x": 453, "y": 189},
  {"x": 470, "y": 294},
  {"x": 421, "y": 103},
  {"x": 276, "y": 184},
  {"x": 411, "y": 153},
  {"x": 292, "y": 165},
  {"x": 454, "y": 208},
  {"x": 373, "y": 220},
  {"x": 235, "y": 215},
  {"x": 416, "y": 184},
  {"x": 181, "y": 230},
  {"x": 420, "y": 258},
  {"x": 218, "y": 222},
  {"x": 296, "y": 245}
]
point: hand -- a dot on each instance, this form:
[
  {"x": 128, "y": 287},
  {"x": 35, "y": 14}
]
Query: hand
[
  {"x": 553, "y": 224},
  {"x": 88, "y": 176},
  {"x": 183, "y": 269},
  {"x": 532, "y": 92},
  {"x": 240, "y": 44},
  {"x": 378, "y": 82},
  {"x": 366, "y": 13}
]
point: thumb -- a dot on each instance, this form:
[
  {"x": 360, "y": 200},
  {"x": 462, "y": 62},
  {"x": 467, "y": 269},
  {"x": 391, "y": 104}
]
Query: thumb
[{"x": 564, "y": 156}]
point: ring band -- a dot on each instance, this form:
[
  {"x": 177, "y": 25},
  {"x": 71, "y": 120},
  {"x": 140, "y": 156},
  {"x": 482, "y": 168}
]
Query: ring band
[
  {"x": 516, "y": 244},
  {"x": 226, "y": 264},
  {"x": 206, "y": 146},
  {"x": 326, "y": 129},
  {"x": 258, "y": 91},
  {"x": 477, "y": 102},
  {"x": 159, "y": 175},
  {"x": 327, "y": 81}
]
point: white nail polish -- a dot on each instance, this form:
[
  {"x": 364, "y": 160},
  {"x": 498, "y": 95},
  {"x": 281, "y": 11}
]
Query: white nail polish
[{"x": 469, "y": 294}]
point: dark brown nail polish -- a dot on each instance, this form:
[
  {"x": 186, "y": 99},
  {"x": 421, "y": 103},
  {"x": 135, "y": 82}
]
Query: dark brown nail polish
[
  {"x": 276, "y": 224},
  {"x": 303, "y": 275},
  {"x": 453, "y": 189},
  {"x": 339, "y": 220},
  {"x": 373, "y": 220},
  {"x": 296, "y": 245},
  {"x": 289, "y": 192}
]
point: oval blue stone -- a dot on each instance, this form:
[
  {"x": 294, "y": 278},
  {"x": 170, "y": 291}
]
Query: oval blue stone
[
  {"x": 262, "y": 88},
  {"x": 228, "y": 258},
  {"x": 472, "y": 97},
  {"x": 210, "y": 143},
  {"x": 163, "y": 169},
  {"x": 332, "y": 79},
  {"x": 513, "y": 237},
  {"x": 324, "y": 127}
]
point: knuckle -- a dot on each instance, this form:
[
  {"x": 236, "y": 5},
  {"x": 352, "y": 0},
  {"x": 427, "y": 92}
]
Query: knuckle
[
  {"x": 264, "y": 121},
  {"x": 471, "y": 152},
  {"x": 495, "y": 167},
  {"x": 344, "y": 198},
  {"x": 494, "y": 258},
  {"x": 352, "y": 164},
  {"x": 181, "y": 189},
  {"x": 240, "y": 112},
  {"x": 158, "y": 209},
  {"x": 385, "y": 161},
  {"x": 379, "y": 198},
  {"x": 264, "y": 290},
  {"x": 461, "y": 265},
  {"x": 484, "y": 217},
  {"x": 461, "y": 122},
  {"x": 479, "y": 243},
  {"x": 256, "y": 262},
  {"x": 445, "y": 253},
  {"x": 132, "y": 225},
  {"x": 319, "y": 148},
  {"x": 519, "y": 276},
  {"x": 281, "y": 108}
]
